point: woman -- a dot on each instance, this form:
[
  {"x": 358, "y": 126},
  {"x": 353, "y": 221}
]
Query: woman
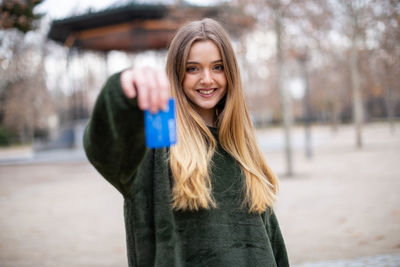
[{"x": 206, "y": 201}]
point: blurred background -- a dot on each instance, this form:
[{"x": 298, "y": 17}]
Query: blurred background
[{"x": 322, "y": 85}]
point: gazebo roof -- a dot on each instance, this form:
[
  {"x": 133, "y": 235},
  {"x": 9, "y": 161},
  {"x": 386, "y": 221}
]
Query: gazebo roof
[{"x": 136, "y": 27}]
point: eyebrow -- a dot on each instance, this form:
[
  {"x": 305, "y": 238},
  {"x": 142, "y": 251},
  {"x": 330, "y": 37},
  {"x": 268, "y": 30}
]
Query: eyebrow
[{"x": 195, "y": 62}]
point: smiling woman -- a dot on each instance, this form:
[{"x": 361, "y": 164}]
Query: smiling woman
[
  {"x": 208, "y": 200},
  {"x": 205, "y": 82}
]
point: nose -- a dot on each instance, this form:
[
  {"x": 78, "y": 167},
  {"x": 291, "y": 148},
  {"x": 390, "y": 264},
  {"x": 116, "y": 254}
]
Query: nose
[{"x": 206, "y": 77}]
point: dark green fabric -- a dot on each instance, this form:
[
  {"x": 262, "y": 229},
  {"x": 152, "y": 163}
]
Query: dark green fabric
[{"x": 156, "y": 235}]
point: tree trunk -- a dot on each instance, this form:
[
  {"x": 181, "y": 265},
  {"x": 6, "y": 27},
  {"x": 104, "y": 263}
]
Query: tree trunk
[
  {"x": 355, "y": 82},
  {"x": 389, "y": 101},
  {"x": 284, "y": 95},
  {"x": 306, "y": 106}
]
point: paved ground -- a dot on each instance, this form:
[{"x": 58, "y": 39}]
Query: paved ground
[
  {"x": 345, "y": 202},
  {"x": 391, "y": 260},
  {"x": 342, "y": 208}
]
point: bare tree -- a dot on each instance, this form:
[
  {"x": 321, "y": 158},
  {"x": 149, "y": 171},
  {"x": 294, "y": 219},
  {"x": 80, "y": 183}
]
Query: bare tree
[
  {"x": 354, "y": 9},
  {"x": 25, "y": 100},
  {"x": 388, "y": 54},
  {"x": 277, "y": 8}
]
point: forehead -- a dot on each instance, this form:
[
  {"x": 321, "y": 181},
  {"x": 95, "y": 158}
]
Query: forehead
[{"x": 203, "y": 50}]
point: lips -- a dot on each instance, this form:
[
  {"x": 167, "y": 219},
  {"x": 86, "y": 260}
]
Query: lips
[{"x": 206, "y": 92}]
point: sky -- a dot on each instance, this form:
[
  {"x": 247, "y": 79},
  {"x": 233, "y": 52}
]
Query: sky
[
  {"x": 59, "y": 9},
  {"x": 56, "y": 9}
]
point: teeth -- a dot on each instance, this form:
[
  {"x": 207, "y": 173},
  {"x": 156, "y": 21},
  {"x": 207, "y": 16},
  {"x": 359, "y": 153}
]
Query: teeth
[{"x": 206, "y": 92}]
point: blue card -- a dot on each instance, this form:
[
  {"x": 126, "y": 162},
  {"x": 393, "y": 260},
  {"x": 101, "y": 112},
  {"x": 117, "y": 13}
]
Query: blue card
[{"x": 160, "y": 128}]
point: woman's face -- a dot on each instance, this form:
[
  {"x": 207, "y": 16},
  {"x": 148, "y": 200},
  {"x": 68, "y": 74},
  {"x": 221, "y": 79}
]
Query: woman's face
[{"x": 205, "y": 82}]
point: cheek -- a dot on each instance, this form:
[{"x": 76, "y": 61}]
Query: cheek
[
  {"x": 189, "y": 82},
  {"x": 186, "y": 85},
  {"x": 224, "y": 93},
  {"x": 222, "y": 80}
]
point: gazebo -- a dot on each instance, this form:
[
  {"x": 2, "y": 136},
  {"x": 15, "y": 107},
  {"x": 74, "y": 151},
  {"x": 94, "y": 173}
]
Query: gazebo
[{"x": 138, "y": 27}]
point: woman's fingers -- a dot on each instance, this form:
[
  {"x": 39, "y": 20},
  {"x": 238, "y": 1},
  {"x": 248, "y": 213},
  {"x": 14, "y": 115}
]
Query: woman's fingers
[
  {"x": 154, "y": 94},
  {"x": 127, "y": 83},
  {"x": 164, "y": 90},
  {"x": 150, "y": 86},
  {"x": 143, "y": 88}
]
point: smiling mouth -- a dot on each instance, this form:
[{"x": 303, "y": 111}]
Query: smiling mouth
[{"x": 206, "y": 91}]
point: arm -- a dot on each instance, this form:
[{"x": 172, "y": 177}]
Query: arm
[
  {"x": 276, "y": 239},
  {"x": 114, "y": 136}
]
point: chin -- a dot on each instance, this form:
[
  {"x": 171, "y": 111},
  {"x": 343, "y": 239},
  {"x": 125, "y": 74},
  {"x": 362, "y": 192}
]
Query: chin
[{"x": 208, "y": 106}]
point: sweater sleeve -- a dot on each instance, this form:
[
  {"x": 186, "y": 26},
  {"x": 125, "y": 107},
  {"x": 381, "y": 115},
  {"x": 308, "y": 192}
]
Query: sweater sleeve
[
  {"x": 276, "y": 238},
  {"x": 114, "y": 137}
]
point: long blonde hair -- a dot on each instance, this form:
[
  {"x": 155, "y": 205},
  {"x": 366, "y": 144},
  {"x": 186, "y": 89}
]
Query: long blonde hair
[{"x": 191, "y": 158}]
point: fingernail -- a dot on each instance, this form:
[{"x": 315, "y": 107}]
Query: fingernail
[
  {"x": 153, "y": 110},
  {"x": 143, "y": 106}
]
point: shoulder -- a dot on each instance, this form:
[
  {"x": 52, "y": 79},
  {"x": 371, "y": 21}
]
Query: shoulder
[{"x": 270, "y": 221}]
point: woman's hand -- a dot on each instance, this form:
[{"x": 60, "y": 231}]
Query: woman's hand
[{"x": 150, "y": 86}]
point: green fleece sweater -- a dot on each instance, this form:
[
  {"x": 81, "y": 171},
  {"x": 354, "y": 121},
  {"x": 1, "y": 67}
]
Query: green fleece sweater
[{"x": 156, "y": 235}]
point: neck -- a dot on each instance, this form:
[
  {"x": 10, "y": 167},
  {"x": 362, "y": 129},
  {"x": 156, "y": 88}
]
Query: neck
[{"x": 208, "y": 116}]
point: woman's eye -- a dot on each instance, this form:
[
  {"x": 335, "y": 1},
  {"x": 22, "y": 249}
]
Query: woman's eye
[
  {"x": 191, "y": 69},
  {"x": 219, "y": 67}
]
